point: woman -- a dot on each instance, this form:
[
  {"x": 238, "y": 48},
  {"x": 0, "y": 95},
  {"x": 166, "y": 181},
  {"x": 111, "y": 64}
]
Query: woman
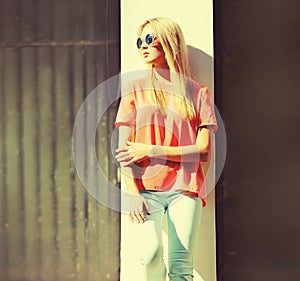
[{"x": 165, "y": 123}]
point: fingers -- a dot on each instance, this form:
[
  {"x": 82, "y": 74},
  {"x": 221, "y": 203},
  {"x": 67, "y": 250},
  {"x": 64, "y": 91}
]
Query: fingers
[
  {"x": 140, "y": 216},
  {"x": 128, "y": 158},
  {"x": 139, "y": 208},
  {"x": 137, "y": 216},
  {"x": 118, "y": 150},
  {"x": 126, "y": 161},
  {"x": 123, "y": 156},
  {"x": 132, "y": 153},
  {"x": 147, "y": 207}
]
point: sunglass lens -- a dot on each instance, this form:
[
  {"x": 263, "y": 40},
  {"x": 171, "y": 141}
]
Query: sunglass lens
[
  {"x": 149, "y": 39},
  {"x": 139, "y": 43}
]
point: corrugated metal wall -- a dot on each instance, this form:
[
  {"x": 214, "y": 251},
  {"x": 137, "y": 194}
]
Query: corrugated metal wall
[{"x": 53, "y": 53}]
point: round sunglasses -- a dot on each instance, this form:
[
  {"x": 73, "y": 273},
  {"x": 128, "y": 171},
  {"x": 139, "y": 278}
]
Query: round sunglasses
[{"x": 148, "y": 40}]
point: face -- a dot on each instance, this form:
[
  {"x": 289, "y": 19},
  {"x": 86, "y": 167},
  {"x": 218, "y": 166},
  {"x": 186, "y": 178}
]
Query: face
[{"x": 152, "y": 54}]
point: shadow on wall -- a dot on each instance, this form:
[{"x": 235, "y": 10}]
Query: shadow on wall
[
  {"x": 205, "y": 252},
  {"x": 201, "y": 67}
]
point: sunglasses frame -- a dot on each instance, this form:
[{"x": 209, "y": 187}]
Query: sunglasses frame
[{"x": 149, "y": 39}]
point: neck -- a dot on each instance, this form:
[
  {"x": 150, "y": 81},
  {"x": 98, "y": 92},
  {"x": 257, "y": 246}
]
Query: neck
[{"x": 163, "y": 72}]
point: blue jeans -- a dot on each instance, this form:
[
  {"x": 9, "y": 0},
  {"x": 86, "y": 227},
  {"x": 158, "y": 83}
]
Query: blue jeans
[{"x": 145, "y": 258}]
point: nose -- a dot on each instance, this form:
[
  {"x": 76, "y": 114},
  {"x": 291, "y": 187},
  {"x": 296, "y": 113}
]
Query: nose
[{"x": 144, "y": 45}]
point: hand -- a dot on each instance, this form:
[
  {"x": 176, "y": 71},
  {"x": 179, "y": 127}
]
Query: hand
[
  {"x": 137, "y": 205},
  {"x": 133, "y": 152}
]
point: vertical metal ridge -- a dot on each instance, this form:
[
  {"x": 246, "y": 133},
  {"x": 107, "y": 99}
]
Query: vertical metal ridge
[
  {"x": 86, "y": 203},
  {"x": 21, "y": 163},
  {"x": 3, "y": 159},
  {"x": 54, "y": 161},
  {"x": 85, "y": 160},
  {"x": 38, "y": 161},
  {"x": 38, "y": 151},
  {"x": 85, "y": 94},
  {"x": 97, "y": 182},
  {"x": 4, "y": 203},
  {"x": 73, "y": 205},
  {"x": 107, "y": 38},
  {"x": 96, "y": 83},
  {"x": 53, "y": 149},
  {"x": 107, "y": 76},
  {"x": 97, "y": 142},
  {"x": 20, "y": 102}
]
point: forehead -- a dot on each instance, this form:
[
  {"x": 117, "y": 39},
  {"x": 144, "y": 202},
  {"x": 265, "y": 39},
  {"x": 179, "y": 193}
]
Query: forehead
[{"x": 146, "y": 30}]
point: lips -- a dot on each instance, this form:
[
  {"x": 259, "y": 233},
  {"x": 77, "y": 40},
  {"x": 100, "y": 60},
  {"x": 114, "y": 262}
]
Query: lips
[{"x": 145, "y": 53}]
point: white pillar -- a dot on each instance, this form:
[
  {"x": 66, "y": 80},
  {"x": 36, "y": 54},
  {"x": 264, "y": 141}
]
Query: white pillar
[{"x": 196, "y": 20}]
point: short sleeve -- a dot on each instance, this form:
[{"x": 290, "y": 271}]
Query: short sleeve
[
  {"x": 127, "y": 111},
  {"x": 207, "y": 110}
]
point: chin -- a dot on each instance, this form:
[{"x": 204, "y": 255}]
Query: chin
[
  {"x": 151, "y": 62},
  {"x": 148, "y": 60}
]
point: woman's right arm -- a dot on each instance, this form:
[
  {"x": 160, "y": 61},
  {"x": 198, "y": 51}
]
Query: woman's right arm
[
  {"x": 137, "y": 201},
  {"x": 125, "y": 133}
]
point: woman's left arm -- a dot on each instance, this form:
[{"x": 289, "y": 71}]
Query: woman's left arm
[{"x": 136, "y": 152}]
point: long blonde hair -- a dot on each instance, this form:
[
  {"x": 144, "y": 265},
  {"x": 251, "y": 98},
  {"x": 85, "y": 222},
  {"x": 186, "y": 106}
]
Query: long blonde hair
[{"x": 173, "y": 44}]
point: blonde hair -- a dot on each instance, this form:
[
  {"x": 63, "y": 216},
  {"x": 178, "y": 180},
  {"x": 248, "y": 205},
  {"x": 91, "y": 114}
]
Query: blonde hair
[{"x": 173, "y": 44}]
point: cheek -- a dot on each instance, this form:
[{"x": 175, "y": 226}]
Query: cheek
[{"x": 159, "y": 51}]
